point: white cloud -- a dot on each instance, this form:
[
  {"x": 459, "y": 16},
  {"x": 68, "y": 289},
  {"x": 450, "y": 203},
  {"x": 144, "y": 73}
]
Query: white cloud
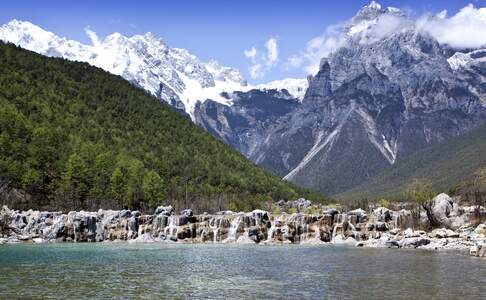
[
  {"x": 317, "y": 48},
  {"x": 251, "y": 53},
  {"x": 262, "y": 61},
  {"x": 466, "y": 29},
  {"x": 92, "y": 36},
  {"x": 385, "y": 26},
  {"x": 272, "y": 51}
]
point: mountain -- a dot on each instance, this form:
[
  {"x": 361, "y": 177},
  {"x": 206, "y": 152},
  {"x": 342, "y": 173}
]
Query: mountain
[
  {"x": 245, "y": 123},
  {"x": 386, "y": 93},
  {"x": 445, "y": 164},
  {"x": 389, "y": 90},
  {"x": 171, "y": 74},
  {"x": 73, "y": 136}
]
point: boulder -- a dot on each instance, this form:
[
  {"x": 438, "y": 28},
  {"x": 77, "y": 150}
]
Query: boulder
[
  {"x": 303, "y": 203},
  {"x": 478, "y": 250},
  {"x": 187, "y": 212},
  {"x": 22, "y": 237},
  {"x": 381, "y": 226},
  {"x": 165, "y": 210},
  {"x": 481, "y": 229},
  {"x": 331, "y": 211},
  {"x": 410, "y": 233},
  {"x": 132, "y": 228},
  {"x": 441, "y": 233},
  {"x": 357, "y": 212},
  {"x": 245, "y": 240},
  {"x": 443, "y": 212},
  {"x": 259, "y": 215},
  {"x": 124, "y": 214},
  {"x": 38, "y": 240},
  {"x": 382, "y": 214},
  {"x": 414, "y": 242},
  {"x": 392, "y": 244}
]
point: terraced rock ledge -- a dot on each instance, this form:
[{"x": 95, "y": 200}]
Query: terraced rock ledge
[{"x": 379, "y": 227}]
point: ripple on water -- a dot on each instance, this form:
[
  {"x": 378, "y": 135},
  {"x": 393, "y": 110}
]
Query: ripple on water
[{"x": 149, "y": 271}]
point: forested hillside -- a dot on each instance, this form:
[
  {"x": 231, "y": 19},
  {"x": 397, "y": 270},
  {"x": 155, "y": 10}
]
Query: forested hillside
[{"x": 75, "y": 137}]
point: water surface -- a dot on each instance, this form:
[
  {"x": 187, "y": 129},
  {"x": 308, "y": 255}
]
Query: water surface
[{"x": 149, "y": 271}]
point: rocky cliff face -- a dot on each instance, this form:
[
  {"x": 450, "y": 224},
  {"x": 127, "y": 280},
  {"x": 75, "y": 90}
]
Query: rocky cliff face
[
  {"x": 245, "y": 123},
  {"x": 376, "y": 99},
  {"x": 378, "y": 227},
  {"x": 389, "y": 90}
]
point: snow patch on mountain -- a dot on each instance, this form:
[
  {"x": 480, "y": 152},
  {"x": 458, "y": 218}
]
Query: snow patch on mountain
[
  {"x": 172, "y": 74},
  {"x": 321, "y": 142},
  {"x": 296, "y": 87},
  {"x": 463, "y": 60}
]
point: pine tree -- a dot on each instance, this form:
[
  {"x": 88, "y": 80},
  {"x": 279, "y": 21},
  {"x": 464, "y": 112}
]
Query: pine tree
[
  {"x": 75, "y": 180},
  {"x": 153, "y": 189}
]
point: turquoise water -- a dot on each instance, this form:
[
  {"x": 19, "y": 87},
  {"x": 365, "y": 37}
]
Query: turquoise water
[{"x": 154, "y": 271}]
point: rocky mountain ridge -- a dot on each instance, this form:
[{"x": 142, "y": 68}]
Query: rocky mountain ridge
[
  {"x": 172, "y": 74},
  {"x": 389, "y": 90},
  {"x": 378, "y": 97}
]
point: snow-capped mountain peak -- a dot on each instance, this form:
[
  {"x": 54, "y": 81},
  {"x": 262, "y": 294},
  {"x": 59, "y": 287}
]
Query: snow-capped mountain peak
[
  {"x": 172, "y": 74},
  {"x": 374, "y": 22}
]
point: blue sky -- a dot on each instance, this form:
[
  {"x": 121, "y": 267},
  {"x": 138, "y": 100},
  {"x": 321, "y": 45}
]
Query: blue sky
[{"x": 212, "y": 29}]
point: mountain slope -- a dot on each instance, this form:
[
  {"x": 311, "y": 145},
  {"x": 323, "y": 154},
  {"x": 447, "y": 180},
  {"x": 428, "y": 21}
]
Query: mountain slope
[
  {"x": 73, "y": 136},
  {"x": 445, "y": 165},
  {"x": 171, "y": 74},
  {"x": 379, "y": 97},
  {"x": 244, "y": 124}
]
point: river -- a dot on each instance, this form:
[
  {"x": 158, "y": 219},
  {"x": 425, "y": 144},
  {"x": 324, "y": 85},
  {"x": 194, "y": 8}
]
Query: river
[{"x": 164, "y": 270}]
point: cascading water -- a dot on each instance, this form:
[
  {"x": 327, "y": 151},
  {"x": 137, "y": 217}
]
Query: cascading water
[
  {"x": 214, "y": 224},
  {"x": 317, "y": 234},
  {"x": 304, "y": 226},
  {"x": 271, "y": 231},
  {"x": 396, "y": 220},
  {"x": 171, "y": 229},
  {"x": 334, "y": 233},
  {"x": 233, "y": 230},
  {"x": 354, "y": 231},
  {"x": 252, "y": 227}
]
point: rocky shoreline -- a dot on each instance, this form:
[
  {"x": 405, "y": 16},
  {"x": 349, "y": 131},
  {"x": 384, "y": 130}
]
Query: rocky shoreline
[{"x": 380, "y": 227}]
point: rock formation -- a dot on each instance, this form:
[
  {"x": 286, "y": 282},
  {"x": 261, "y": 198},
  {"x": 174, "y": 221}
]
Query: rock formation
[{"x": 381, "y": 227}]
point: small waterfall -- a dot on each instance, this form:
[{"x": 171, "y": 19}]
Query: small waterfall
[
  {"x": 233, "y": 230},
  {"x": 215, "y": 234},
  {"x": 317, "y": 234},
  {"x": 214, "y": 225},
  {"x": 396, "y": 220},
  {"x": 191, "y": 232},
  {"x": 334, "y": 232},
  {"x": 354, "y": 231},
  {"x": 171, "y": 229},
  {"x": 271, "y": 231},
  {"x": 305, "y": 229}
]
